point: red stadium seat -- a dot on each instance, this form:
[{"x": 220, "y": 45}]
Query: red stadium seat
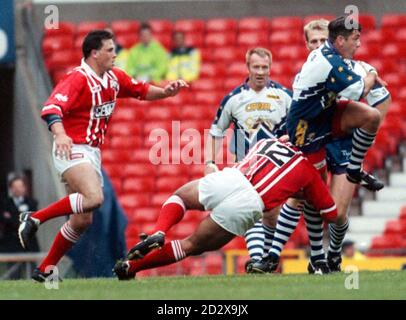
[
  {"x": 220, "y": 39},
  {"x": 307, "y": 19},
  {"x": 164, "y": 39},
  {"x": 213, "y": 263},
  {"x": 231, "y": 84},
  {"x": 207, "y": 84},
  {"x": 126, "y": 40},
  {"x": 253, "y": 38},
  {"x": 286, "y": 38},
  {"x": 65, "y": 28},
  {"x": 162, "y": 113},
  {"x": 113, "y": 170},
  {"x": 386, "y": 142},
  {"x": 169, "y": 170},
  {"x": 125, "y": 128},
  {"x": 124, "y": 113},
  {"x": 291, "y": 52},
  {"x": 395, "y": 227},
  {"x": 125, "y": 26},
  {"x": 59, "y": 43},
  {"x": 182, "y": 230},
  {"x": 393, "y": 21},
  {"x": 254, "y": 24},
  {"x": 63, "y": 58},
  {"x": 138, "y": 169},
  {"x": 169, "y": 184},
  {"x": 159, "y": 198},
  {"x": 152, "y": 125},
  {"x": 134, "y": 200},
  {"x": 367, "y": 52},
  {"x": 195, "y": 39},
  {"x": 287, "y": 23},
  {"x": 212, "y": 70},
  {"x": 196, "y": 112},
  {"x": 400, "y": 35},
  {"x": 367, "y": 21},
  {"x": 190, "y": 25},
  {"x": 228, "y": 54},
  {"x": 208, "y": 98},
  {"x": 144, "y": 184},
  {"x": 222, "y": 25},
  {"x": 146, "y": 215},
  {"x": 281, "y": 68},
  {"x": 394, "y": 50},
  {"x": 85, "y": 27},
  {"x": 161, "y": 26},
  {"x": 373, "y": 159},
  {"x": 402, "y": 215},
  {"x": 237, "y": 69},
  {"x": 386, "y": 242},
  {"x": 125, "y": 142}
]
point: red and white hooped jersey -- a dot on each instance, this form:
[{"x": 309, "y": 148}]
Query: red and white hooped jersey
[
  {"x": 85, "y": 102},
  {"x": 278, "y": 171}
]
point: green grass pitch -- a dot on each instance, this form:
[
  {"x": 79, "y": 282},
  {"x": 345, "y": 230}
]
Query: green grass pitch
[{"x": 372, "y": 285}]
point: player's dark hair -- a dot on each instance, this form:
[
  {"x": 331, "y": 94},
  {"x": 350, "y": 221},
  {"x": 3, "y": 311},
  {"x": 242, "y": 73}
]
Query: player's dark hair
[
  {"x": 342, "y": 26},
  {"x": 145, "y": 26},
  {"x": 94, "y": 41}
]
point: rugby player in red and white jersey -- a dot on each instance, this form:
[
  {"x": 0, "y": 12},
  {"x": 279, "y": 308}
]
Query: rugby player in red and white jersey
[
  {"x": 77, "y": 113},
  {"x": 270, "y": 173}
]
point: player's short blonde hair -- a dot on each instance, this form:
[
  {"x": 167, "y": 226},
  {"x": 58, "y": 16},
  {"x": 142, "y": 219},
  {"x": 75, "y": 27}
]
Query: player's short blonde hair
[
  {"x": 319, "y": 24},
  {"x": 262, "y": 52}
]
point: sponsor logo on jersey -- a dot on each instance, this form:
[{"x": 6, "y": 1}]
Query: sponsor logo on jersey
[
  {"x": 105, "y": 110},
  {"x": 61, "y": 97},
  {"x": 272, "y": 96},
  {"x": 258, "y": 106}
]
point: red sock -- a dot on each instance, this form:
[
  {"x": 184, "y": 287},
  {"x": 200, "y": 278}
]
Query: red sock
[
  {"x": 64, "y": 240},
  {"x": 171, "y": 213},
  {"x": 65, "y": 206},
  {"x": 170, "y": 253}
]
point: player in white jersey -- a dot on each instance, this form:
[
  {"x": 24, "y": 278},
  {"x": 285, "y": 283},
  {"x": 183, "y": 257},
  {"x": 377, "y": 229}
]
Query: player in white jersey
[
  {"x": 258, "y": 109},
  {"x": 77, "y": 113},
  {"x": 316, "y": 33}
]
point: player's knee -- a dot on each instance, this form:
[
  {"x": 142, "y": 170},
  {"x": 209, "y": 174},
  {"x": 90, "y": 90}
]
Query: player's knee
[
  {"x": 95, "y": 200},
  {"x": 80, "y": 225},
  {"x": 190, "y": 247},
  {"x": 373, "y": 117}
]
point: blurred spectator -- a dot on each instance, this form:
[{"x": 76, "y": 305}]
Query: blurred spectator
[
  {"x": 10, "y": 208},
  {"x": 17, "y": 201},
  {"x": 184, "y": 61},
  {"x": 122, "y": 56},
  {"x": 147, "y": 60},
  {"x": 349, "y": 251}
]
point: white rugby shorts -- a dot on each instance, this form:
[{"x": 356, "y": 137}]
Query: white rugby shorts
[
  {"x": 81, "y": 153},
  {"x": 234, "y": 203}
]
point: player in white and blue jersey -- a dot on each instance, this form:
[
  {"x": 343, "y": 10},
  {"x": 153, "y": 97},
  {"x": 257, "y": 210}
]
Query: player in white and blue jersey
[
  {"x": 316, "y": 115},
  {"x": 257, "y": 109},
  {"x": 338, "y": 155}
]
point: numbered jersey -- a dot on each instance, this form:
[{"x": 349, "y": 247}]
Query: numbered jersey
[{"x": 278, "y": 171}]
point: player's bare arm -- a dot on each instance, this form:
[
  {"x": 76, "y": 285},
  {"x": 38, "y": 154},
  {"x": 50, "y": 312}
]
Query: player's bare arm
[{"x": 170, "y": 90}]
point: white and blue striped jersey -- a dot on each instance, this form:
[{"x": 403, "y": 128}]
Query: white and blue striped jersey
[
  {"x": 323, "y": 77},
  {"x": 256, "y": 115}
]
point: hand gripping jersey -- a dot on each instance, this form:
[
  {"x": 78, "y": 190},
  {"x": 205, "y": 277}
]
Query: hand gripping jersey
[
  {"x": 256, "y": 115},
  {"x": 85, "y": 102},
  {"x": 278, "y": 171}
]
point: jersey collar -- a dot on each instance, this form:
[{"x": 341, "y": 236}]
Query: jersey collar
[{"x": 103, "y": 81}]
